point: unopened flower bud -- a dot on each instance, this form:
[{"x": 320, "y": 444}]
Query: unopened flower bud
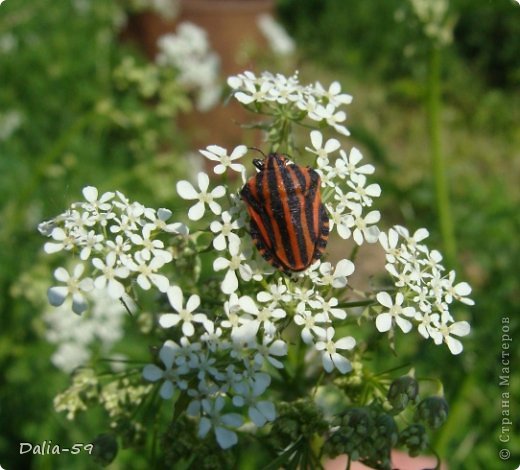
[
  {"x": 414, "y": 437},
  {"x": 433, "y": 411},
  {"x": 105, "y": 449},
  {"x": 402, "y": 391}
]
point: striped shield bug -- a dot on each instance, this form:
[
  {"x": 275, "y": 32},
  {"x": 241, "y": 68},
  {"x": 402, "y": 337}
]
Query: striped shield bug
[{"x": 289, "y": 223}]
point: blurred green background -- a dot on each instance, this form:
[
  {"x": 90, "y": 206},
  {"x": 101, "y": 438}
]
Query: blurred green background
[{"x": 66, "y": 122}]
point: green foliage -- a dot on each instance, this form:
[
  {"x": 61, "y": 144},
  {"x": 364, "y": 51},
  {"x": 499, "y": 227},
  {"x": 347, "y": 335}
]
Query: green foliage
[{"x": 75, "y": 122}]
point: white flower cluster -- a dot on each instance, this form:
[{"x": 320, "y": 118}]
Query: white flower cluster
[
  {"x": 115, "y": 239},
  {"x": 222, "y": 341},
  {"x": 76, "y": 335},
  {"x": 346, "y": 180},
  {"x": 425, "y": 291},
  {"x": 189, "y": 52},
  {"x": 433, "y": 14},
  {"x": 280, "y": 92}
]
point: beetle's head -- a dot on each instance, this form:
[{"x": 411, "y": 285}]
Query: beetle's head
[{"x": 259, "y": 163}]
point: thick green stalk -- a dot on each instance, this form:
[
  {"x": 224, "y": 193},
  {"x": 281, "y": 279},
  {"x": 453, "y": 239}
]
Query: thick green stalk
[{"x": 442, "y": 198}]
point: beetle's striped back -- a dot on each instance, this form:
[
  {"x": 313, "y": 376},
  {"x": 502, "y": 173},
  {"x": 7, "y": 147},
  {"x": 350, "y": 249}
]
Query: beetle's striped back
[{"x": 289, "y": 223}]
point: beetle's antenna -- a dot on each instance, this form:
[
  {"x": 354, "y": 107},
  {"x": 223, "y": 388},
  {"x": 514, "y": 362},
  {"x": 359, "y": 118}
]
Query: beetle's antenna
[{"x": 258, "y": 150}]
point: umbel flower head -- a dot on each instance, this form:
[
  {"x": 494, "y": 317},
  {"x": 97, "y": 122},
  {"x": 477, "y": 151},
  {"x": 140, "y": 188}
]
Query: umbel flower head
[{"x": 225, "y": 336}]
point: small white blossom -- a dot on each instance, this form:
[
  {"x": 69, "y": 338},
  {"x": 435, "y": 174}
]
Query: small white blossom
[
  {"x": 329, "y": 355},
  {"x": 395, "y": 314},
  {"x": 322, "y": 151},
  {"x": 234, "y": 264},
  {"x": 308, "y": 321},
  {"x": 170, "y": 374},
  {"x": 446, "y": 333},
  {"x": 219, "y": 154},
  {"x": 73, "y": 288},
  {"x": 212, "y": 418},
  {"x": 267, "y": 351},
  {"x": 225, "y": 231},
  {"x": 147, "y": 272},
  {"x": 346, "y": 165},
  {"x": 336, "y": 278},
  {"x": 109, "y": 273},
  {"x": 185, "y": 314},
  {"x": 203, "y": 197},
  {"x": 362, "y": 227}
]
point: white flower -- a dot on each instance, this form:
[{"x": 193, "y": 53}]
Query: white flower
[
  {"x": 230, "y": 282},
  {"x": 346, "y": 165},
  {"x": 333, "y": 95},
  {"x": 427, "y": 322},
  {"x": 147, "y": 272},
  {"x": 330, "y": 358},
  {"x": 332, "y": 117},
  {"x": 412, "y": 241},
  {"x": 109, "y": 273},
  {"x": 65, "y": 241},
  {"x": 251, "y": 92},
  {"x": 362, "y": 227},
  {"x": 328, "y": 308},
  {"x": 308, "y": 320},
  {"x": 364, "y": 194},
  {"x": 187, "y": 191},
  {"x": 247, "y": 393},
  {"x": 338, "y": 277},
  {"x": 277, "y": 295},
  {"x": 389, "y": 244},
  {"x": 213, "y": 418},
  {"x": 458, "y": 291},
  {"x": 96, "y": 203},
  {"x": 197, "y": 66},
  {"x": 385, "y": 320},
  {"x": 74, "y": 288},
  {"x": 150, "y": 246},
  {"x": 234, "y": 320},
  {"x": 446, "y": 333},
  {"x": 219, "y": 154},
  {"x": 322, "y": 152},
  {"x": 339, "y": 220},
  {"x": 91, "y": 241},
  {"x": 264, "y": 316},
  {"x": 269, "y": 348},
  {"x": 159, "y": 221},
  {"x": 225, "y": 232},
  {"x": 172, "y": 376},
  {"x": 184, "y": 314}
]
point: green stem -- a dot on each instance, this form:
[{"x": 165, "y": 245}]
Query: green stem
[{"x": 438, "y": 163}]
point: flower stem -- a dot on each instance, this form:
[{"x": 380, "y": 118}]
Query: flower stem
[{"x": 442, "y": 198}]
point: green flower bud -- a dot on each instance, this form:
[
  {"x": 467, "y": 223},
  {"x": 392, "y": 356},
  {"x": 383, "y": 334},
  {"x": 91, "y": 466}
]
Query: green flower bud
[
  {"x": 414, "y": 437},
  {"x": 433, "y": 411},
  {"x": 387, "y": 432},
  {"x": 402, "y": 391},
  {"x": 105, "y": 449}
]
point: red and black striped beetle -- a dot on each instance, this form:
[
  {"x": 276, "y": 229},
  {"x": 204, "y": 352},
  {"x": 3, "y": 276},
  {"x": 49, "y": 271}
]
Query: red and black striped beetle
[{"x": 289, "y": 223}]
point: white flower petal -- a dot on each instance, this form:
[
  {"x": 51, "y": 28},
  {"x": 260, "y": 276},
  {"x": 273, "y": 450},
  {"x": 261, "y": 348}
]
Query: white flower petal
[
  {"x": 225, "y": 437},
  {"x": 186, "y": 190},
  {"x": 384, "y": 322},
  {"x": 166, "y": 390},
  {"x": 152, "y": 373},
  {"x": 196, "y": 212}
]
